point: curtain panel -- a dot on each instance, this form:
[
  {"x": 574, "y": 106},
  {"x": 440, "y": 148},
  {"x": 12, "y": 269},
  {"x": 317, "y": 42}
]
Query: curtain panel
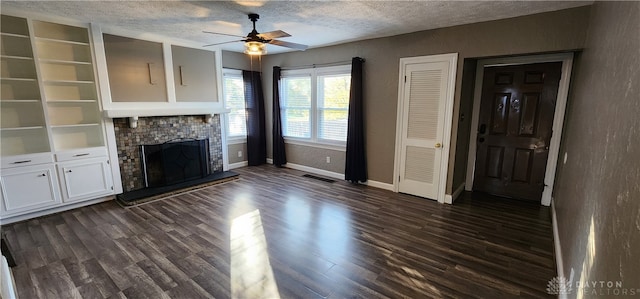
[
  {"x": 356, "y": 161},
  {"x": 256, "y": 132},
  {"x": 279, "y": 155}
]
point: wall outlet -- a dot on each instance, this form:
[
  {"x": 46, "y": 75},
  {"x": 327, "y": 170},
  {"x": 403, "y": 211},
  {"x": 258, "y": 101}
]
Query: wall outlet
[
  {"x": 239, "y": 154},
  {"x": 328, "y": 159}
]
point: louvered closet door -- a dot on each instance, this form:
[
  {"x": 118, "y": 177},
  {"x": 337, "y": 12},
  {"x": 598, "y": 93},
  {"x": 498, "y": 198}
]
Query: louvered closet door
[{"x": 424, "y": 102}]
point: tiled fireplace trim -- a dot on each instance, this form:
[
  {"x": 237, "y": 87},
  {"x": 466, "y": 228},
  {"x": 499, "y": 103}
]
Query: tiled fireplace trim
[{"x": 159, "y": 129}]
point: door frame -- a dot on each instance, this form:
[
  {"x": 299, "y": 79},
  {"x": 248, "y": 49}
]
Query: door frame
[
  {"x": 558, "y": 116},
  {"x": 452, "y": 59}
]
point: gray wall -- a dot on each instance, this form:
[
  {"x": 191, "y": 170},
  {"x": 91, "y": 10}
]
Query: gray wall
[
  {"x": 547, "y": 32},
  {"x": 597, "y": 191},
  {"x": 316, "y": 157},
  {"x": 233, "y": 150}
]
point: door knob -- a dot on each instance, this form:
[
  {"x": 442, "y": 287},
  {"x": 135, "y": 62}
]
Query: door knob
[{"x": 438, "y": 145}]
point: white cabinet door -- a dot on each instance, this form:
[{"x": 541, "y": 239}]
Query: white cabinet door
[
  {"x": 29, "y": 188},
  {"x": 85, "y": 179}
]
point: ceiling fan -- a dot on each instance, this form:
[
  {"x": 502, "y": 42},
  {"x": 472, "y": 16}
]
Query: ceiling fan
[{"x": 255, "y": 42}]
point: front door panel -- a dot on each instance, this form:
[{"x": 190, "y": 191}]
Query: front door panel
[{"x": 514, "y": 132}]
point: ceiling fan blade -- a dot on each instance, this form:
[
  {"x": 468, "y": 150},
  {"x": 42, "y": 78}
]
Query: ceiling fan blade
[
  {"x": 223, "y": 34},
  {"x": 233, "y": 41},
  {"x": 274, "y": 34},
  {"x": 280, "y": 43}
]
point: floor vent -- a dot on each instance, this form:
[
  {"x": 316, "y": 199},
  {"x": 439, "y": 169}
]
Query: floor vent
[{"x": 318, "y": 178}]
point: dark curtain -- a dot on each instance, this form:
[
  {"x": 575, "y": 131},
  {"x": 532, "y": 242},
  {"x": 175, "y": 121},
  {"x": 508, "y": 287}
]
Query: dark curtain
[
  {"x": 356, "y": 162},
  {"x": 254, "y": 101},
  {"x": 279, "y": 155}
]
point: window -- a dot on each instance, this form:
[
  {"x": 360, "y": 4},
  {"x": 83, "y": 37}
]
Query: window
[
  {"x": 315, "y": 104},
  {"x": 296, "y": 107},
  {"x": 233, "y": 90}
]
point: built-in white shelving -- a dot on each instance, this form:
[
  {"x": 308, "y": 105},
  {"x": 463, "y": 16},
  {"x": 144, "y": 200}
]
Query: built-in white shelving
[
  {"x": 51, "y": 129},
  {"x": 22, "y": 120},
  {"x": 64, "y": 59}
]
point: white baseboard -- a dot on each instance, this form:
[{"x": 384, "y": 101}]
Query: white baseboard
[
  {"x": 269, "y": 161},
  {"x": 238, "y": 164},
  {"x": 336, "y": 175},
  {"x": 450, "y": 198},
  {"x": 381, "y": 185},
  {"x": 331, "y": 174},
  {"x": 556, "y": 243}
]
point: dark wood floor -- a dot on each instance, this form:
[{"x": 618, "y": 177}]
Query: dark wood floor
[{"x": 274, "y": 233}]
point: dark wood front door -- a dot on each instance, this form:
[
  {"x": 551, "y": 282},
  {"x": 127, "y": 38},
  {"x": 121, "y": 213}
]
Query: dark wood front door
[{"x": 514, "y": 129}]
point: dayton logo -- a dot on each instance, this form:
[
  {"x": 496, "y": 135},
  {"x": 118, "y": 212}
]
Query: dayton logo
[{"x": 559, "y": 286}]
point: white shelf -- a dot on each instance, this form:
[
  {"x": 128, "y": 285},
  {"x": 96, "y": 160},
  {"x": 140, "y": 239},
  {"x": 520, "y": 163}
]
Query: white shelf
[
  {"x": 67, "y": 82},
  {"x": 24, "y": 141},
  {"x": 18, "y": 79},
  {"x": 74, "y": 126},
  {"x": 56, "y": 92},
  {"x": 71, "y": 101},
  {"x": 18, "y": 115},
  {"x": 20, "y": 101},
  {"x": 59, "y": 61},
  {"x": 16, "y": 45},
  {"x": 63, "y": 51},
  {"x": 22, "y": 128},
  {"x": 62, "y": 41},
  {"x": 14, "y": 35},
  {"x": 77, "y": 137},
  {"x": 16, "y": 57}
]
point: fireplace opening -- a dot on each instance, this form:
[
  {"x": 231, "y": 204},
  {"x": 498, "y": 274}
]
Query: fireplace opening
[{"x": 174, "y": 162}]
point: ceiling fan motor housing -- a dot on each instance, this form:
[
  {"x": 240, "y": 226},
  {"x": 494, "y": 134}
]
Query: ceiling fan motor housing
[{"x": 253, "y": 36}]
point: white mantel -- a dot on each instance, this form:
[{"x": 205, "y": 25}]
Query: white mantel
[{"x": 208, "y": 110}]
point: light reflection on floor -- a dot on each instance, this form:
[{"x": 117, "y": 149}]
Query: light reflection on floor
[
  {"x": 251, "y": 273},
  {"x": 333, "y": 236}
]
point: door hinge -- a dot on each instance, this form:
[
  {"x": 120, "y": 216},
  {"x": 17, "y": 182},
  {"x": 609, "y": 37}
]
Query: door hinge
[
  {"x": 108, "y": 162},
  {"x": 111, "y": 187},
  {"x": 405, "y": 79}
]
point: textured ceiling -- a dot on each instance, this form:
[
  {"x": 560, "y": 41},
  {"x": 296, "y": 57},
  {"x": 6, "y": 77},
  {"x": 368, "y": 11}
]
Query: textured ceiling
[{"x": 314, "y": 23}]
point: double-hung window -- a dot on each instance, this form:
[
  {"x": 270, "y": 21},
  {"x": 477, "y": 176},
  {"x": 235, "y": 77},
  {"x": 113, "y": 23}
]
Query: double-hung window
[
  {"x": 314, "y": 104},
  {"x": 233, "y": 91}
]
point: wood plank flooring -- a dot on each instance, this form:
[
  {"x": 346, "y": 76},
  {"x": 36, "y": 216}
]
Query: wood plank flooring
[{"x": 274, "y": 233}]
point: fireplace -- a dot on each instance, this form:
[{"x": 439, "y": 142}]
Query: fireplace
[
  {"x": 174, "y": 162},
  {"x": 160, "y": 133}
]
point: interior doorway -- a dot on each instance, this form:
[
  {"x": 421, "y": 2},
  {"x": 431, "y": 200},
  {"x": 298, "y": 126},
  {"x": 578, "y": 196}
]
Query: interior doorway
[{"x": 486, "y": 166}]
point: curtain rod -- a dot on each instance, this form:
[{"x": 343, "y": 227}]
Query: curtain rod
[{"x": 317, "y": 65}]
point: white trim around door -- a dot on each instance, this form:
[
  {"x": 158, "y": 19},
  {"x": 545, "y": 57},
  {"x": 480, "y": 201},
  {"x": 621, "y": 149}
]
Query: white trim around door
[
  {"x": 558, "y": 116},
  {"x": 443, "y": 144}
]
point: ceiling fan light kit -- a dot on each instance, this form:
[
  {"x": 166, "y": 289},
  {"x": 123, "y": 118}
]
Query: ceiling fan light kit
[
  {"x": 255, "y": 43},
  {"x": 255, "y": 48}
]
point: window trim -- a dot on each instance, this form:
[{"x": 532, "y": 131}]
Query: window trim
[
  {"x": 231, "y": 139},
  {"x": 313, "y": 74}
]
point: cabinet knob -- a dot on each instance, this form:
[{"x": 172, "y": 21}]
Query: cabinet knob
[
  {"x": 69, "y": 171},
  {"x": 44, "y": 174}
]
